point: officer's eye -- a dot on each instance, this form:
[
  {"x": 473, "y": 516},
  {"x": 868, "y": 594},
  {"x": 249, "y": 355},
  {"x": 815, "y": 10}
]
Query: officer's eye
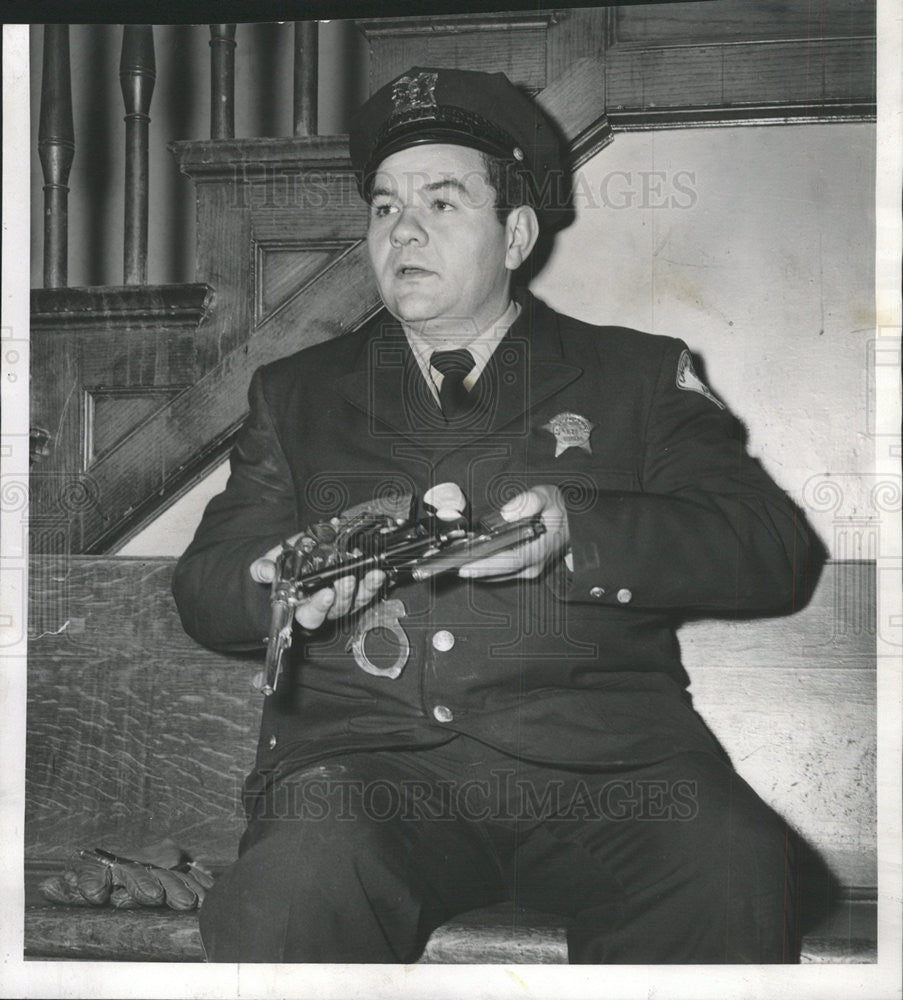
[
  {"x": 381, "y": 209},
  {"x": 442, "y": 206}
]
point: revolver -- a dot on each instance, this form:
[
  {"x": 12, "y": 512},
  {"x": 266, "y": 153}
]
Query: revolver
[{"x": 405, "y": 538}]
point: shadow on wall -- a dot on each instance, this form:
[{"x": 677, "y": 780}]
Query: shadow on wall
[
  {"x": 344, "y": 75},
  {"x": 263, "y": 79}
]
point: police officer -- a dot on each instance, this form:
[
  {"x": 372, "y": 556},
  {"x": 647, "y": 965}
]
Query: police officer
[{"x": 538, "y": 743}]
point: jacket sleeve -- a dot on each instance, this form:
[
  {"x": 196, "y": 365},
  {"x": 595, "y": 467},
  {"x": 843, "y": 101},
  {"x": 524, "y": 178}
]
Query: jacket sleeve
[
  {"x": 220, "y": 605},
  {"x": 709, "y": 531}
]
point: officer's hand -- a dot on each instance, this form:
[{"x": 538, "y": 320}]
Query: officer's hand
[
  {"x": 328, "y": 603},
  {"x": 527, "y": 561}
]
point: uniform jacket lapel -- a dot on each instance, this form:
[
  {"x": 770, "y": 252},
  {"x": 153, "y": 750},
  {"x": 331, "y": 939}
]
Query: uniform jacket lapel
[
  {"x": 384, "y": 381},
  {"x": 534, "y": 345},
  {"x": 528, "y": 367}
]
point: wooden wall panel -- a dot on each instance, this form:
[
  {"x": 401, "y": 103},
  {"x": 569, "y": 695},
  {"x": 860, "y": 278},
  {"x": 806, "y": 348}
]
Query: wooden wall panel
[
  {"x": 145, "y": 389},
  {"x": 726, "y": 77},
  {"x": 284, "y": 269},
  {"x": 518, "y": 52},
  {"x": 134, "y": 732},
  {"x": 575, "y": 33},
  {"x": 511, "y": 42},
  {"x": 102, "y": 359},
  {"x": 194, "y": 430},
  {"x": 741, "y": 21},
  {"x": 110, "y": 413},
  {"x": 223, "y": 257},
  {"x": 712, "y": 61}
]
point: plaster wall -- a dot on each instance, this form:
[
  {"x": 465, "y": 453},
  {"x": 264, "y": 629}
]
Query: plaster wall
[{"x": 756, "y": 246}]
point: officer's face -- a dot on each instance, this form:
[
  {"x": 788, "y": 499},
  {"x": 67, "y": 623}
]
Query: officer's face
[{"x": 437, "y": 248}]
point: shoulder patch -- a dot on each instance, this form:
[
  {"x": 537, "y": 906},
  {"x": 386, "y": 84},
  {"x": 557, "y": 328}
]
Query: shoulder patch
[{"x": 688, "y": 379}]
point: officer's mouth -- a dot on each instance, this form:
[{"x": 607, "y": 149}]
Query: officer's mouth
[{"x": 411, "y": 272}]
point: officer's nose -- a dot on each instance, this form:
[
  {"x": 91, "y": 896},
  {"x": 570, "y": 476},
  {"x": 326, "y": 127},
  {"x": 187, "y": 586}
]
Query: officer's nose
[{"x": 407, "y": 229}]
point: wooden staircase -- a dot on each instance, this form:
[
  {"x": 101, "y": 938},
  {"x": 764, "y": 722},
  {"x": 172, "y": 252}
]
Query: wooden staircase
[
  {"x": 281, "y": 254},
  {"x": 141, "y": 389}
]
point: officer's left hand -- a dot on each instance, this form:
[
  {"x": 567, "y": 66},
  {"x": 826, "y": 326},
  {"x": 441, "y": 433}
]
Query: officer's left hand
[
  {"x": 332, "y": 602},
  {"x": 527, "y": 561}
]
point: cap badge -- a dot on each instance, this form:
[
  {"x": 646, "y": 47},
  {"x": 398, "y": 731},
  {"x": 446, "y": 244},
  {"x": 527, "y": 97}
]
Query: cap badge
[
  {"x": 570, "y": 430},
  {"x": 411, "y": 93},
  {"x": 688, "y": 379}
]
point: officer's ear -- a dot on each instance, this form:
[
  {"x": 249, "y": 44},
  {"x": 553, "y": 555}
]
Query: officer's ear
[{"x": 521, "y": 234}]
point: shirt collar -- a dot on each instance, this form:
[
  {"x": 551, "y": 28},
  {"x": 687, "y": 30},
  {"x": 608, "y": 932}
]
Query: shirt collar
[{"x": 481, "y": 347}]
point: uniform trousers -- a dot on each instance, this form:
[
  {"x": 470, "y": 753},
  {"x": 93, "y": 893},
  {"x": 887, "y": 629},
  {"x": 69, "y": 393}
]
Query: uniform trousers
[{"x": 360, "y": 857}]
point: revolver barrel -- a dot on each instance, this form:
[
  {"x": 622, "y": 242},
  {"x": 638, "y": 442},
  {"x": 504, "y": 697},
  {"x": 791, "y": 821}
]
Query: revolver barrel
[{"x": 487, "y": 544}]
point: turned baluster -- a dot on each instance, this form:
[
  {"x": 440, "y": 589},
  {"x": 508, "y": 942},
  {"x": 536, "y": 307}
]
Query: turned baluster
[
  {"x": 306, "y": 61},
  {"x": 137, "y": 75},
  {"x": 222, "y": 81},
  {"x": 56, "y": 148}
]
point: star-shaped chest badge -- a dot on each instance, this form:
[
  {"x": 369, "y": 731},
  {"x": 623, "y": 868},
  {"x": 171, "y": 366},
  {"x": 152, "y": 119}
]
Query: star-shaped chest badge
[{"x": 570, "y": 430}]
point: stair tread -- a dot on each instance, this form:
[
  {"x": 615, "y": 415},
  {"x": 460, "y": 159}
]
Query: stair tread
[{"x": 501, "y": 934}]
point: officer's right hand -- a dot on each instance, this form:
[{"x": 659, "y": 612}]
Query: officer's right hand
[{"x": 328, "y": 603}]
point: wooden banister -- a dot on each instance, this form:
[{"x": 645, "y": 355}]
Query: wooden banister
[
  {"x": 306, "y": 65},
  {"x": 222, "y": 81},
  {"x": 137, "y": 75},
  {"x": 56, "y": 148}
]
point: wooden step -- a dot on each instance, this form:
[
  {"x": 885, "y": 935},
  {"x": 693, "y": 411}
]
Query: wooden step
[{"x": 503, "y": 934}]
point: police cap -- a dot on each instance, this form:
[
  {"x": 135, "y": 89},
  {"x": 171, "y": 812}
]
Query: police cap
[{"x": 484, "y": 111}]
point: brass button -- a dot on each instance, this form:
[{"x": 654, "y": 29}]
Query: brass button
[
  {"x": 443, "y": 640},
  {"x": 625, "y": 596},
  {"x": 443, "y": 714},
  {"x": 597, "y": 592},
  {"x": 273, "y": 742}
]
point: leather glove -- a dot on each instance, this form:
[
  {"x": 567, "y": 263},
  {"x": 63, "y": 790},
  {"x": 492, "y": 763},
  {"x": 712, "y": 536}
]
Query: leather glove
[{"x": 159, "y": 875}]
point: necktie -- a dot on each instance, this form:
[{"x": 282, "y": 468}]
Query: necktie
[{"x": 454, "y": 366}]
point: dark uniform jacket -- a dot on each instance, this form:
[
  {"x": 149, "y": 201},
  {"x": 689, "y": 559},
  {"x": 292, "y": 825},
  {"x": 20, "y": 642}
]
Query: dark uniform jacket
[{"x": 668, "y": 517}]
